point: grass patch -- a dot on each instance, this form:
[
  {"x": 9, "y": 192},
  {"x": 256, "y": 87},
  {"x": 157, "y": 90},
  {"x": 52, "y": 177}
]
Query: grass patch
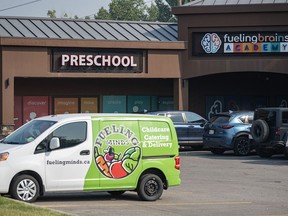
[{"x": 11, "y": 207}]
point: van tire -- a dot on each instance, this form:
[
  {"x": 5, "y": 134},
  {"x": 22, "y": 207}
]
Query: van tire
[
  {"x": 260, "y": 130},
  {"x": 150, "y": 187},
  {"x": 25, "y": 188}
]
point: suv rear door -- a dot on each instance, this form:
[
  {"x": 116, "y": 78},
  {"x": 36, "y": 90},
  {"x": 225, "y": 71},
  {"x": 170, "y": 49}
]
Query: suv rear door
[
  {"x": 195, "y": 124},
  {"x": 180, "y": 126}
]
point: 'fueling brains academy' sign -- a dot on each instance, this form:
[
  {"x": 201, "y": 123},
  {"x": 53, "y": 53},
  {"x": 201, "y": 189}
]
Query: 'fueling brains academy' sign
[
  {"x": 98, "y": 60},
  {"x": 240, "y": 43}
]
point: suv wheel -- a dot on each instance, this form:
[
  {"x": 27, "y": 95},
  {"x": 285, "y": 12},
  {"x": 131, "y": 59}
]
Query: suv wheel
[
  {"x": 286, "y": 152},
  {"x": 242, "y": 146},
  {"x": 264, "y": 153},
  {"x": 260, "y": 130},
  {"x": 217, "y": 151}
]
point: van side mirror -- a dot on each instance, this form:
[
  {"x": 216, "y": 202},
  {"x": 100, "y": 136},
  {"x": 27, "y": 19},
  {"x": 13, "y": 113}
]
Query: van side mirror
[{"x": 54, "y": 143}]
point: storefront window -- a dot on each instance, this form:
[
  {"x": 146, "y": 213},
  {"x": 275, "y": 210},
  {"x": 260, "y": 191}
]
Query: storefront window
[
  {"x": 65, "y": 105},
  {"x": 34, "y": 107},
  {"x": 89, "y": 105},
  {"x": 165, "y": 103},
  {"x": 114, "y": 104},
  {"x": 18, "y": 116},
  {"x": 137, "y": 104}
]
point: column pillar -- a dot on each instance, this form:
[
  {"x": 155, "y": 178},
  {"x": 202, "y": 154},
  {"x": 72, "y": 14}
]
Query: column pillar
[
  {"x": 181, "y": 94},
  {"x": 7, "y": 104}
]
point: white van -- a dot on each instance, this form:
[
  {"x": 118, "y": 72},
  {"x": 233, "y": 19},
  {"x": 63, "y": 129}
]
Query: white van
[{"x": 90, "y": 152}]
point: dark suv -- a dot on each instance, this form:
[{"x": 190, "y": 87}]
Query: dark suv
[
  {"x": 189, "y": 127},
  {"x": 269, "y": 131},
  {"x": 229, "y": 131}
]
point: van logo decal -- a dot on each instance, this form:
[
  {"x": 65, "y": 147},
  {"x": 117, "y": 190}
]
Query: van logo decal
[{"x": 116, "y": 151}]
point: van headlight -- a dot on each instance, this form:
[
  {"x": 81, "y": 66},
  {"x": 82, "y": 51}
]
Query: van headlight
[{"x": 4, "y": 156}]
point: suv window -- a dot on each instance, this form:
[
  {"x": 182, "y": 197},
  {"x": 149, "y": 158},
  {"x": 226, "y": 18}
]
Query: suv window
[
  {"x": 176, "y": 117},
  {"x": 246, "y": 119},
  {"x": 193, "y": 117},
  {"x": 71, "y": 134},
  {"x": 285, "y": 117},
  {"x": 220, "y": 119},
  {"x": 268, "y": 116}
]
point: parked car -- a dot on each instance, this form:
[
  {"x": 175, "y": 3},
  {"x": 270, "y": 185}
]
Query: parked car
[
  {"x": 189, "y": 127},
  {"x": 229, "y": 131},
  {"x": 269, "y": 130}
]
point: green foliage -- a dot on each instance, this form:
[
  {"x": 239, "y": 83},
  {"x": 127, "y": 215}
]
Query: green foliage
[
  {"x": 127, "y": 10},
  {"x": 165, "y": 13},
  {"x": 11, "y": 207},
  {"x": 102, "y": 14},
  {"x": 51, "y": 13},
  {"x": 134, "y": 10},
  {"x": 152, "y": 13}
]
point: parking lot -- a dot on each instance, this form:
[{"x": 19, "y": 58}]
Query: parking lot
[{"x": 211, "y": 185}]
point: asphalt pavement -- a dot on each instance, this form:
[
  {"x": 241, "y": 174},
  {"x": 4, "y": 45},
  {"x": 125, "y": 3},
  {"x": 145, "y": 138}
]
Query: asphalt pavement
[{"x": 215, "y": 185}]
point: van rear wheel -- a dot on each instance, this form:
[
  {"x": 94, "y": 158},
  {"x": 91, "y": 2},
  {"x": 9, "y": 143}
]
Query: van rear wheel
[
  {"x": 150, "y": 187},
  {"x": 25, "y": 188}
]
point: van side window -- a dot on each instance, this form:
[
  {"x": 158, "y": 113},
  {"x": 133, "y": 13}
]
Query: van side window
[
  {"x": 42, "y": 147},
  {"x": 71, "y": 134}
]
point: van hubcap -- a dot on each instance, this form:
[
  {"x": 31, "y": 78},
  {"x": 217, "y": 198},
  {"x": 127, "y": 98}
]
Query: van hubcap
[
  {"x": 26, "y": 189},
  {"x": 151, "y": 187}
]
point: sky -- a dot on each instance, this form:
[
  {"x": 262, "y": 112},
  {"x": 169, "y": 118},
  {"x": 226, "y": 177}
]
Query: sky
[{"x": 39, "y": 8}]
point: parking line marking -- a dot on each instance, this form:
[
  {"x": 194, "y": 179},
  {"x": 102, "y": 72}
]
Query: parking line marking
[{"x": 154, "y": 204}]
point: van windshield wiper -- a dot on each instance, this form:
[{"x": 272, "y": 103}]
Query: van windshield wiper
[{"x": 11, "y": 142}]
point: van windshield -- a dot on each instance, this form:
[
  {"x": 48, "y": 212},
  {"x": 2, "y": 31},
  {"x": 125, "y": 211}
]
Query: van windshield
[{"x": 28, "y": 132}]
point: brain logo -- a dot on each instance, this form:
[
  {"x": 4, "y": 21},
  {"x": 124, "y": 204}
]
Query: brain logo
[
  {"x": 215, "y": 108},
  {"x": 211, "y": 42}
]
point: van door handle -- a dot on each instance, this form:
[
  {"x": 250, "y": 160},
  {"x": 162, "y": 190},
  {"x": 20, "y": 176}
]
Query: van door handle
[{"x": 85, "y": 152}]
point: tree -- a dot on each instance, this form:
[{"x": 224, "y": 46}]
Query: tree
[
  {"x": 127, "y": 10},
  {"x": 152, "y": 13},
  {"x": 51, "y": 13},
  {"x": 102, "y": 14},
  {"x": 165, "y": 13},
  {"x": 134, "y": 10}
]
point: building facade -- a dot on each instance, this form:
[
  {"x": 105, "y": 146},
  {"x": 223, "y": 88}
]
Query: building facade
[
  {"x": 53, "y": 66},
  {"x": 218, "y": 57},
  {"x": 236, "y": 56}
]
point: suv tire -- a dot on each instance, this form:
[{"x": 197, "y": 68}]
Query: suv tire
[
  {"x": 286, "y": 152},
  {"x": 242, "y": 146},
  {"x": 217, "y": 151},
  {"x": 264, "y": 153},
  {"x": 260, "y": 130}
]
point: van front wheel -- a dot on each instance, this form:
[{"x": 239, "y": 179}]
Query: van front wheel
[
  {"x": 150, "y": 187},
  {"x": 25, "y": 188}
]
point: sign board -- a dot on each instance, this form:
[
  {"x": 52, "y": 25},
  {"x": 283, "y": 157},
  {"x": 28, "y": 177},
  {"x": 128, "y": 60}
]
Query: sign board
[
  {"x": 97, "y": 60},
  {"x": 239, "y": 43}
]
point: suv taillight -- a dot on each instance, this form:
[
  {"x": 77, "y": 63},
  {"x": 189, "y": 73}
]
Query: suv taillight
[
  {"x": 277, "y": 131},
  {"x": 177, "y": 162},
  {"x": 226, "y": 126}
]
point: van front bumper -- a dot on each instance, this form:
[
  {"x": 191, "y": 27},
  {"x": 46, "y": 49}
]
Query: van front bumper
[{"x": 5, "y": 178}]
